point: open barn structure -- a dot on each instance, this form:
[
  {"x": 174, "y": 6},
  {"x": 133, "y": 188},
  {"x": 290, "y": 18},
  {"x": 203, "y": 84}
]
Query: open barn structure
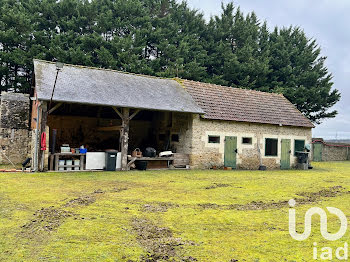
[{"x": 213, "y": 125}]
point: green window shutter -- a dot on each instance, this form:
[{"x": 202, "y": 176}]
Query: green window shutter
[{"x": 299, "y": 145}]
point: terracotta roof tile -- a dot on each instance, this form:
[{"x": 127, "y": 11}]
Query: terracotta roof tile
[{"x": 235, "y": 104}]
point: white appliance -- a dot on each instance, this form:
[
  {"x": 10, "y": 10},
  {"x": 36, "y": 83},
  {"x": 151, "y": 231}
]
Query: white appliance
[
  {"x": 119, "y": 161},
  {"x": 95, "y": 160}
]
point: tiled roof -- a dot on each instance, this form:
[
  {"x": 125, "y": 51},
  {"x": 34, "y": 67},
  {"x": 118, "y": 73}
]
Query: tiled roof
[{"x": 235, "y": 104}]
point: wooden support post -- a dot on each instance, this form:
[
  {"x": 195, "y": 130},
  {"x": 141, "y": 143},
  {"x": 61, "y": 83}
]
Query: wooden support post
[
  {"x": 124, "y": 133},
  {"x": 125, "y": 138}
]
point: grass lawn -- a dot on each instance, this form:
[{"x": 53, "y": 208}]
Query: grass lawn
[{"x": 167, "y": 215}]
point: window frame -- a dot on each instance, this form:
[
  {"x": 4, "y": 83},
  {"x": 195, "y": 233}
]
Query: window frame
[
  {"x": 270, "y": 155},
  {"x": 299, "y": 140},
  {"x": 214, "y": 142},
  {"x": 250, "y": 140}
]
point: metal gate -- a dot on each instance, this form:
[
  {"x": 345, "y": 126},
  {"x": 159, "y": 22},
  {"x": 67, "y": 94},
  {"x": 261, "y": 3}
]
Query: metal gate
[{"x": 317, "y": 152}]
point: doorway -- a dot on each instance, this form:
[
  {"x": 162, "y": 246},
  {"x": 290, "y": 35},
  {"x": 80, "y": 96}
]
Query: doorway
[{"x": 230, "y": 154}]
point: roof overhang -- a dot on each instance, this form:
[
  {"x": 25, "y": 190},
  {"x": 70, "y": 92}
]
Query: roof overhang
[{"x": 94, "y": 86}]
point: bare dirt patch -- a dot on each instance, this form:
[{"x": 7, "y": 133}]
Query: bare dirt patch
[
  {"x": 158, "y": 207},
  {"x": 217, "y": 185},
  {"x": 159, "y": 242},
  {"x": 118, "y": 189},
  {"x": 327, "y": 192},
  {"x": 81, "y": 201},
  {"x": 45, "y": 220},
  {"x": 307, "y": 198}
]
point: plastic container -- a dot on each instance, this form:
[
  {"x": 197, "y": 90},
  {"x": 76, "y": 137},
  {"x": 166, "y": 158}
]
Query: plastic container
[
  {"x": 141, "y": 165},
  {"x": 69, "y": 163},
  {"x": 76, "y": 163},
  {"x": 65, "y": 149},
  {"x": 82, "y": 150},
  {"x": 111, "y": 160},
  {"x": 61, "y": 163}
]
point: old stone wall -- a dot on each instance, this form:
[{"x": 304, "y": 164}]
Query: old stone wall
[
  {"x": 205, "y": 154},
  {"x": 15, "y": 136},
  {"x": 174, "y": 125},
  {"x": 335, "y": 153}
]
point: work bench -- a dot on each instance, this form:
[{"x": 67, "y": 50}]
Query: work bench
[
  {"x": 55, "y": 159},
  {"x": 133, "y": 159}
]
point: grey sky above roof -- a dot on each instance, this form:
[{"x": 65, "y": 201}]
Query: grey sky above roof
[
  {"x": 77, "y": 84},
  {"x": 325, "y": 20}
]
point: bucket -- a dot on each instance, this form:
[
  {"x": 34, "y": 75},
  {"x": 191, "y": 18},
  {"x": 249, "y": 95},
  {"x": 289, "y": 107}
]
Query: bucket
[
  {"x": 82, "y": 150},
  {"x": 141, "y": 165}
]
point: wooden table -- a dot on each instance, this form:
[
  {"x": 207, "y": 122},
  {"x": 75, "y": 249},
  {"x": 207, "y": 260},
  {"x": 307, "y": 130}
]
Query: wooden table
[
  {"x": 133, "y": 159},
  {"x": 55, "y": 159}
]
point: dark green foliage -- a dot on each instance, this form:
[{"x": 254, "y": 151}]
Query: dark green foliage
[{"x": 168, "y": 39}]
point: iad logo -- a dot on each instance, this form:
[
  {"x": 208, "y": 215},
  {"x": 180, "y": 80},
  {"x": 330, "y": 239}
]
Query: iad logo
[{"x": 327, "y": 252}]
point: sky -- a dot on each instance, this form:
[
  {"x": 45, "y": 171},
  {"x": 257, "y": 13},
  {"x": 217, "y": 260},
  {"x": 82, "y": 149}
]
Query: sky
[{"x": 328, "y": 21}]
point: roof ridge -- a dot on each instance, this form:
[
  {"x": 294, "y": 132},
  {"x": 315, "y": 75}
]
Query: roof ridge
[
  {"x": 238, "y": 88},
  {"x": 104, "y": 69}
]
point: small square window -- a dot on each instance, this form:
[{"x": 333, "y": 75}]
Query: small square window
[
  {"x": 247, "y": 140},
  {"x": 271, "y": 147},
  {"x": 214, "y": 139},
  {"x": 299, "y": 145},
  {"x": 175, "y": 138}
]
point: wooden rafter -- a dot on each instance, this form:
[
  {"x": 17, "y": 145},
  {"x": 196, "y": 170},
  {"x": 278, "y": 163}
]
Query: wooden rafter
[
  {"x": 118, "y": 112},
  {"x": 54, "y": 108},
  {"x": 134, "y": 114}
]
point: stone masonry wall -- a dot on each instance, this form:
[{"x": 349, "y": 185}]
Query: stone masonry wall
[
  {"x": 15, "y": 136},
  {"x": 333, "y": 153},
  {"x": 206, "y": 154}
]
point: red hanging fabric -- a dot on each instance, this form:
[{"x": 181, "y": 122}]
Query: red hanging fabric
[{"x": 43, "y": 141}]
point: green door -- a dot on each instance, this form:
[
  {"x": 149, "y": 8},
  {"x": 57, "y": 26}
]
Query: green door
[
  {"x": 230, "y": 151},
  {"x": 285, "y": 154},
  {"x": 317, "y": 152}
]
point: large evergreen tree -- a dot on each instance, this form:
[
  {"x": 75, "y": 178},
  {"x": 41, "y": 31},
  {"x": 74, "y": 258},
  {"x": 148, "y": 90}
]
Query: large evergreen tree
[{"x": 165, "y": 38}]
